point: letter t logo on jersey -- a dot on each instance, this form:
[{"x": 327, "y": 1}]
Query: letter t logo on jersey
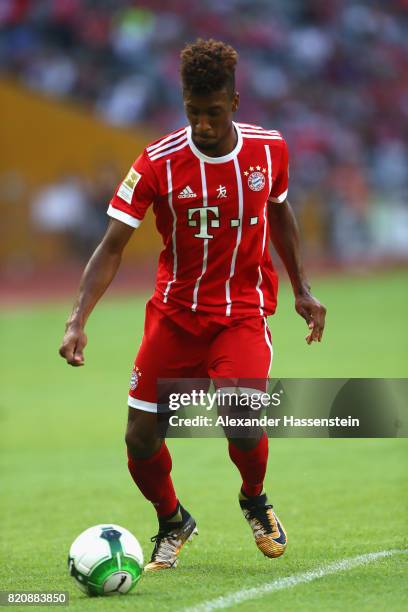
[{"x": 203, "y": 214}]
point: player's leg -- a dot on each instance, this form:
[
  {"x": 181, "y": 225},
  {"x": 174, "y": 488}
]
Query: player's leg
[
  {"x": 150, "y": 464},
  {"x": 250, "y": 455},
  {"x": 244, "y": 351},
  {"x": 165, "y": 352},
  {"x": 149, "y": 461}
]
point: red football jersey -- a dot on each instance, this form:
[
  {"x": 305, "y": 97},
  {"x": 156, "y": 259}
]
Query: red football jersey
[{"x": 211, "y": 214}]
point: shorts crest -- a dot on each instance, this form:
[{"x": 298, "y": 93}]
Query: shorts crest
[{"x": 134, "y": 379}]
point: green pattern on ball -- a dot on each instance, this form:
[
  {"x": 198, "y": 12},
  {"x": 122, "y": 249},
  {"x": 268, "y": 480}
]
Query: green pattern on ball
[{"x": 101, "y": 573}]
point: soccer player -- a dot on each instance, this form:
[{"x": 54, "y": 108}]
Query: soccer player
[{"x": 219, "y": 192}]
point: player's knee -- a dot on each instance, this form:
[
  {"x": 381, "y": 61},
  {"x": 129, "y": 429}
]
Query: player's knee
[
  {"x": 141, "y": 439},
  {"x": 245, "y": 444},
  {"x": 141, "y": 447}
]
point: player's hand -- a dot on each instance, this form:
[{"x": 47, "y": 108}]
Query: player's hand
[
  {"x": 314, "y": 313},
  {"x": 73, "y": 344}
]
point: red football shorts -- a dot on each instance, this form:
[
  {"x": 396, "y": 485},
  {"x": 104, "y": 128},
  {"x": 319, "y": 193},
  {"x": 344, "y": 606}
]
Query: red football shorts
[{"x": 179, "y": 344}]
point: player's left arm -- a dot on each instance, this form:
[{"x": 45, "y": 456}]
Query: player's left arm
[{"x": 284, "y": 233}]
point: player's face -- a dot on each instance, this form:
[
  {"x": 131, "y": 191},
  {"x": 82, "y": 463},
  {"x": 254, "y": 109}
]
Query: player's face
[{"x": 210, "y": 117}]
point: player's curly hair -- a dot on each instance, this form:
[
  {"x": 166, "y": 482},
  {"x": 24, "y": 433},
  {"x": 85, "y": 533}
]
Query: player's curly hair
[{"x": 208, "y": 66}]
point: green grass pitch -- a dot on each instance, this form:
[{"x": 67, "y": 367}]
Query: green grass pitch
[{"x": 63, "y": 463}]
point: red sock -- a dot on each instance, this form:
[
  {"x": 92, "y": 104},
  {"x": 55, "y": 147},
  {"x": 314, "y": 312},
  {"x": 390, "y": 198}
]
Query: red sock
[
  {"x": 252, "y": 465},
  {"x": 152, "y": 476}
]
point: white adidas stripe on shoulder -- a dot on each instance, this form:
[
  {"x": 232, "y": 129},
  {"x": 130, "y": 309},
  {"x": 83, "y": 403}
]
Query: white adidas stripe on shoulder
[
  {"x": 260, "y": 131},
  {"x": 168, "y": 145},
  {"x": 249, "y": 125},
  {"x": 166, "y": 139},
  {"x": 168, "y": 151},
  {"x": 263, "y": 136},
  {"x": 255, "y": 131}
]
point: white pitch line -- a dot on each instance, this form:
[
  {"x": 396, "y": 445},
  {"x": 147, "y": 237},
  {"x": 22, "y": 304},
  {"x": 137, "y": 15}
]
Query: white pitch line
[{"x": 226, "y": 601}]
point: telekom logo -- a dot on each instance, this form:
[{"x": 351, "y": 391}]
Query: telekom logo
[
  {"x": 208, "y": 216},
  {"x": 203, "y": 217}
]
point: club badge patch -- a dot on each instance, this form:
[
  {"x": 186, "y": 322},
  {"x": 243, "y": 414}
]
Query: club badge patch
[
  {"x": 256, "y": 181},
  {"x": 134, "y": 379},
  {"x": 256, "y": 178}
]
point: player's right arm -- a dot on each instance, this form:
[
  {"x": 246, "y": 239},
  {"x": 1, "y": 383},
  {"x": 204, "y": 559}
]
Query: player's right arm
[
  {"x": 97, "y": 276},
  {"x": 127, "y": 208}
]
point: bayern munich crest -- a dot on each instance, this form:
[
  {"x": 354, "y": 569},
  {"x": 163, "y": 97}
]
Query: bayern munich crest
[
  {"x": 134, "y": 379},
  {"x": 256, "y": 178}
]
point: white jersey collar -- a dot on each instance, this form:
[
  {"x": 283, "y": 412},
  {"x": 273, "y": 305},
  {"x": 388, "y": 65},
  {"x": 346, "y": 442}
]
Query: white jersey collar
[{"x": 216, "y": 160}]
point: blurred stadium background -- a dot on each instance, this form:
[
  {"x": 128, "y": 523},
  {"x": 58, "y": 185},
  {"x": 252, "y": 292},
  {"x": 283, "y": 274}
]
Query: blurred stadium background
[{"x": 85, "y": 84}]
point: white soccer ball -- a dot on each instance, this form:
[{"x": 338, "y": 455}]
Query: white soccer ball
[{"x": 105, "y": 559}]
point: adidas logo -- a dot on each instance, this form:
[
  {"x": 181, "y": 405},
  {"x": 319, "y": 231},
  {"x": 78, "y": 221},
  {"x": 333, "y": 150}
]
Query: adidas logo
[{"x": 187, "y": 193}]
